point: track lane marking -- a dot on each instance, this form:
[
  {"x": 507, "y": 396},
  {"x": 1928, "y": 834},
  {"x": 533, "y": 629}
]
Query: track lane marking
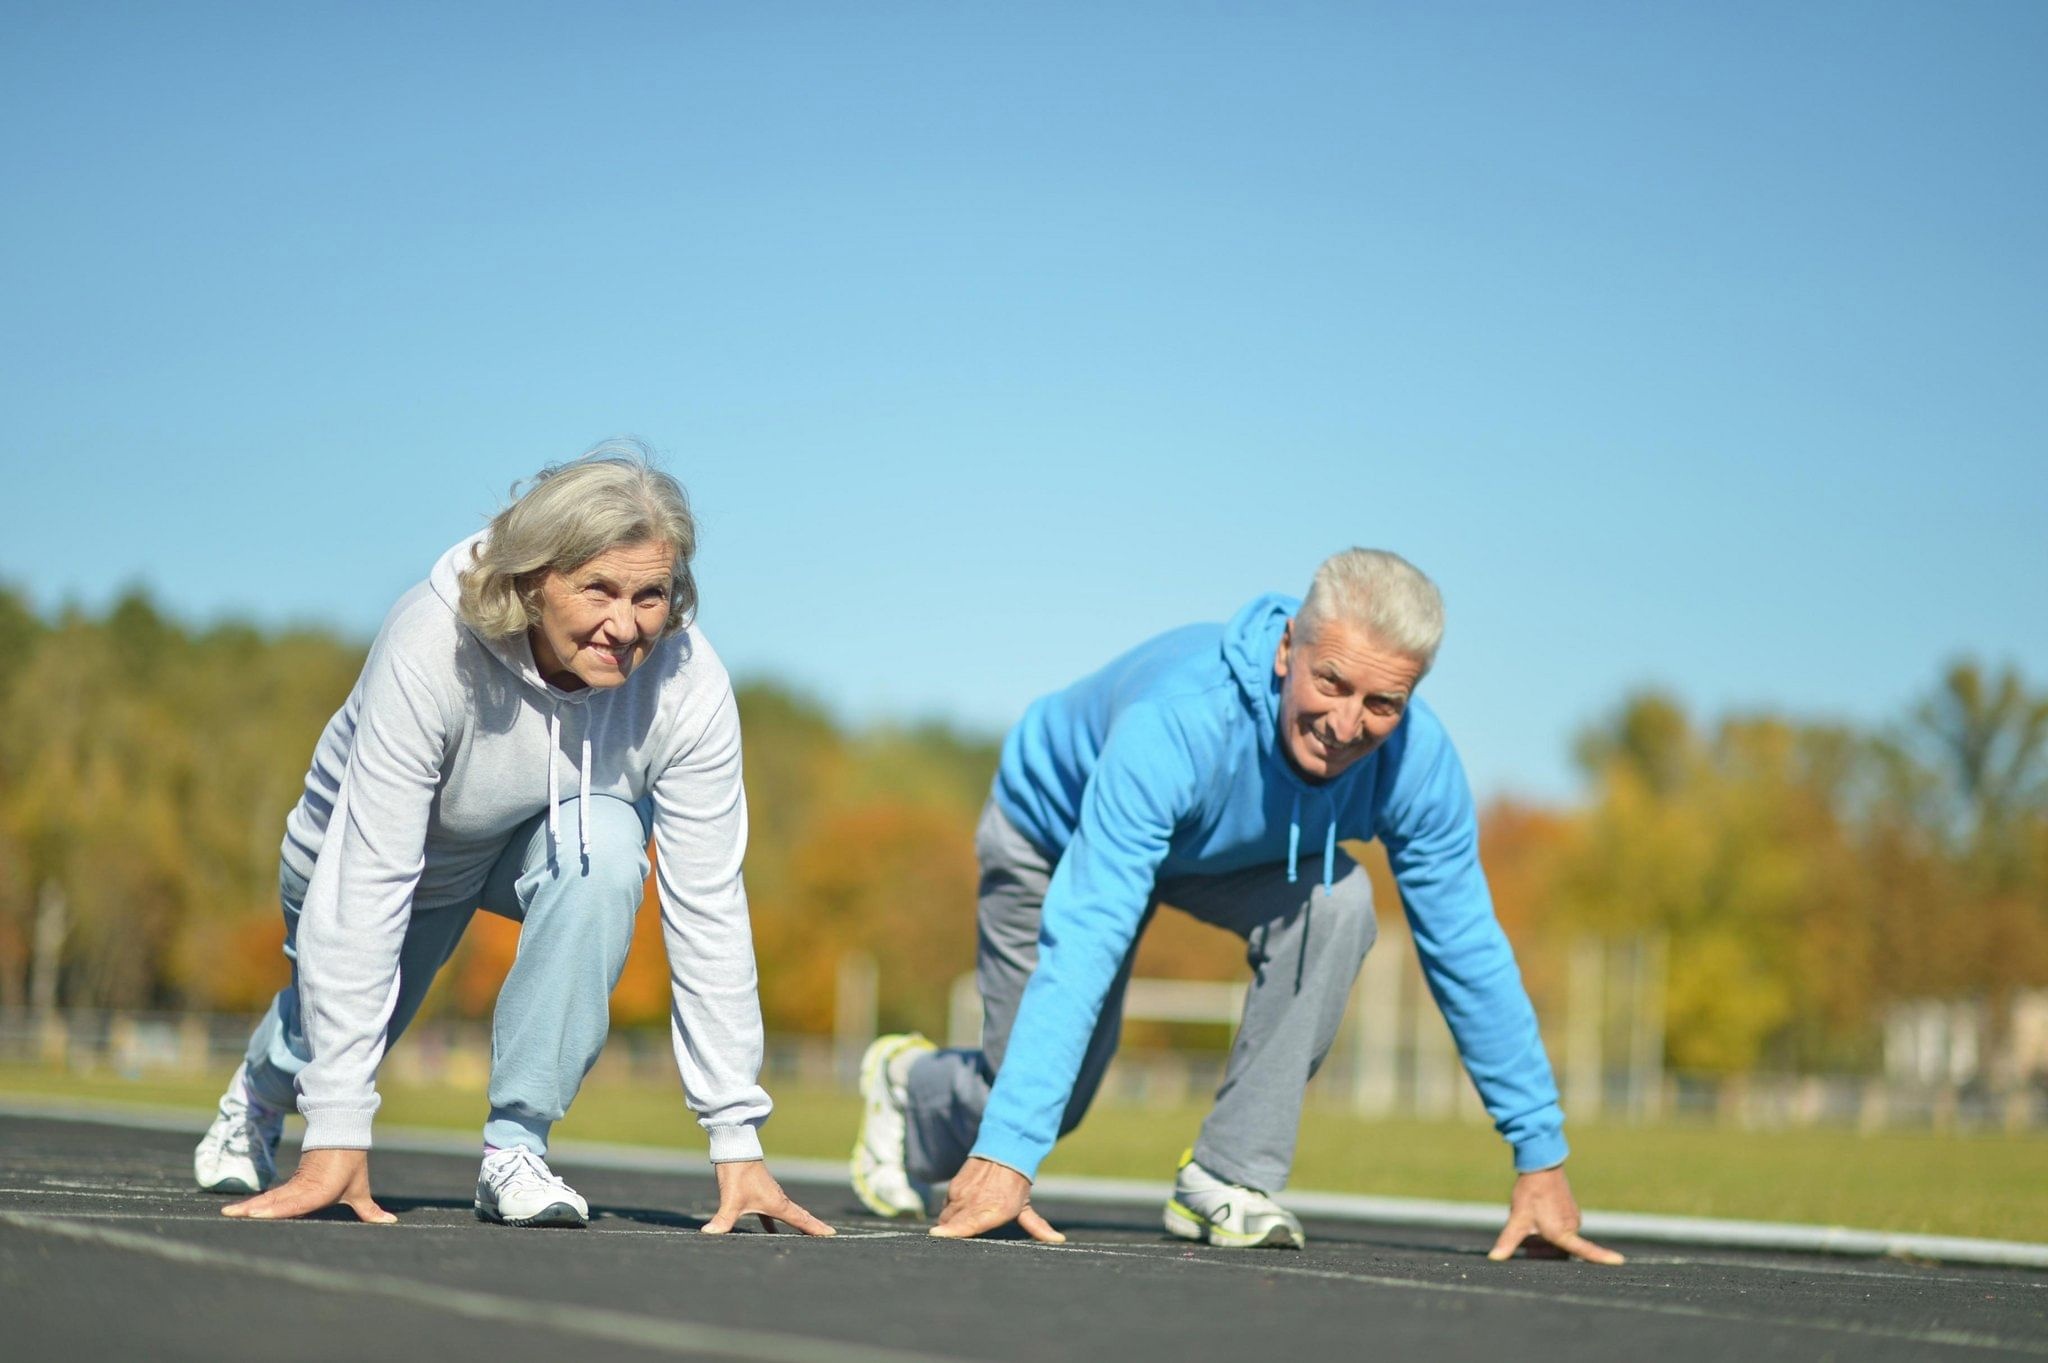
[
  {"x": 677, "y": 1232},
  {"x": 1955, "y": 1338},
  {"x": 668, "y": 1335},
  {"x": 1898, "y": 1275}
]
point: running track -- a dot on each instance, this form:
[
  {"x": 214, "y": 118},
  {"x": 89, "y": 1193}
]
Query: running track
[{"x": 106, "y": 1251}]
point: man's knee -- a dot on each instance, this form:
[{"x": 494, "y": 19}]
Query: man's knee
[{"x": 1348, "y": 925}]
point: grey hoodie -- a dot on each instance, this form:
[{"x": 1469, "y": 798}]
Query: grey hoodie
[{"x": 447, "y": 744}]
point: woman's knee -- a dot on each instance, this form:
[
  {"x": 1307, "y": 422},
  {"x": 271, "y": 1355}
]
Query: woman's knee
[{"x": 613, "y": 871}]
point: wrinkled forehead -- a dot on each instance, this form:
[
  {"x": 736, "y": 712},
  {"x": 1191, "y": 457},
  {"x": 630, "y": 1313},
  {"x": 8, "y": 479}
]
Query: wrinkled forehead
[
  {"x": 1351, "y": 651},
  {"x": 641, "y": 563}
]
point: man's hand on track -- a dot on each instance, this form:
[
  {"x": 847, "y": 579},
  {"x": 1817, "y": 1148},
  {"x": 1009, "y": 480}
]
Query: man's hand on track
[
  {"x": 985, "y": 1195},
  {"x": 1543, "y": 1215}
]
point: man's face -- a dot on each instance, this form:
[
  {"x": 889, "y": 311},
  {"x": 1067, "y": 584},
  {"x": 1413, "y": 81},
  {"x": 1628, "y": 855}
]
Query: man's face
[
  {"x": 1341, "y": 695},
  {"x": 601, "y": 619}
]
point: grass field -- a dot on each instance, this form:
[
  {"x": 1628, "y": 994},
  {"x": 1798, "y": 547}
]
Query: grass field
[{"x": 1979, "y": 1185}]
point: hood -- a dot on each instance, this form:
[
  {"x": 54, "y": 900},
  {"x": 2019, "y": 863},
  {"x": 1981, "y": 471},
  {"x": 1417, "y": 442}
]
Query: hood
[
  {"x": 512, "y": 651},
  {"x": 515, "y": 655},
  {"x": 1250, "y": 640}
]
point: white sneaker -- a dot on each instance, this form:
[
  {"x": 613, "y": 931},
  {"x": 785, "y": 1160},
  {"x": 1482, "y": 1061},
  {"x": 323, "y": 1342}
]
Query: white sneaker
[
  {"x": 1205, "y": 1208},
  {"x": 516, "y": 1188},
  {"x": 238, "y": 1153},
  {"x": 879, "y": 1177}
]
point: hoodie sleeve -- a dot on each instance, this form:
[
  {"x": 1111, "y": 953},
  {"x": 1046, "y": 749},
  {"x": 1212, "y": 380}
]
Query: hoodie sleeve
[
  {"x": 1142, "y": 784},
  {"x": 1431, "y": 833},
  {"x": 700, "y": 833},
  {"x": 359, "y": 901}
]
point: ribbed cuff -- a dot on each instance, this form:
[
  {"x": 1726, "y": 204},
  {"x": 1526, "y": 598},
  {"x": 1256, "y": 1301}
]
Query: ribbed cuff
[
  {"x": 729, "y": 1143},
  {"x": 1016, "y": 1153},
  {"x": 338, "y": 1129},
  {"x": 1541, "y": 1152}
]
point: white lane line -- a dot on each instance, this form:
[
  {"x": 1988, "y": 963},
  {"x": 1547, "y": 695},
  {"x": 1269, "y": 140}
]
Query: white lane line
[
  {"x": 667, "y": 1335},
  {"x": 1957, "y": 1338},
  {"x": 1484, "y": 1217},
  {"x": 668, "y": 1232},
  {"x": 1822, "y": 1268}
]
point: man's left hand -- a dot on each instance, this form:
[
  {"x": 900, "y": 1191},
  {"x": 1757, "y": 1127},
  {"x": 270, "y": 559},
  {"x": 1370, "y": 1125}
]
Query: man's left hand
[
  {"x": 746, "y": 1188},
  {"x": 1543, "y": 1213}
]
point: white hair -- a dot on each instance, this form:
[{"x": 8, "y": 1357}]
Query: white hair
[
  {"x": 1381, "y": 593},
  {"x": 569, "y": 514}
]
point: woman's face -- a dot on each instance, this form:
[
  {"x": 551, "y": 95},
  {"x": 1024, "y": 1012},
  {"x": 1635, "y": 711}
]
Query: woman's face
[{"x": 599, "y": 620}]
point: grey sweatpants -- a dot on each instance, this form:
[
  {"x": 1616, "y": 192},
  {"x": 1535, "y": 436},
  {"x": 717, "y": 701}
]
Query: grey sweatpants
[{"x": 1304, "y": 945}]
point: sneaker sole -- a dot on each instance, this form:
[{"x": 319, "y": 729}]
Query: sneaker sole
[
  {"x": 556, "y": 1215},
  {"x": 235, "y": 1186},
  {"x": 1189, "y": 1224},
  {"x": 873, "y": 1061}
]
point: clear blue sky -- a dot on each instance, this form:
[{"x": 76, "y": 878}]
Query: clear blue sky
[{"x": 1703, "y": 347}]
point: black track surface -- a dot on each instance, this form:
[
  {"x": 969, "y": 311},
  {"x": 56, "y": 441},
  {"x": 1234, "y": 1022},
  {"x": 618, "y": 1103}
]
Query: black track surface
[{"x": 106, "y": 1251}]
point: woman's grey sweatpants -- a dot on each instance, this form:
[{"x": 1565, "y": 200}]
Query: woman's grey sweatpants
[
  {"x": 1304, "y": 944},
  {"x": 576, "y": 921}
]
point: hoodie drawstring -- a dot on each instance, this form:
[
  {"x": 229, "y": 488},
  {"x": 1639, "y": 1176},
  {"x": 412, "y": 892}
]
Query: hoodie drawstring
[
  {"x": 554, "y": 746},
  {"x": 1294, "y": 840},
  {"x": 582, "y": 789},
  {"x": 583, "y": 805},
  {"x": 1294, "y": 845}
]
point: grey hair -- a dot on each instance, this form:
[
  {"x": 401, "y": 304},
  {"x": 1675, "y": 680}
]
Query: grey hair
[
  {"x": 1381, "y": 593},
  {"x": 610, "y": 496}
]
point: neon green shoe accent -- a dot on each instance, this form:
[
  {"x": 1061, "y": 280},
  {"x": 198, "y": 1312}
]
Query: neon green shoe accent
[{"x": 876, "y": 1167}]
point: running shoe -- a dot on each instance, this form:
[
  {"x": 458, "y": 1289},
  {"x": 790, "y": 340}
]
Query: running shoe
[
  {"x": 238, "y": 1153},
  {"x": 1230, "y": 1215},
  {"x": 879, "y": 1176},
  {"x": 516, "y": 1188}
]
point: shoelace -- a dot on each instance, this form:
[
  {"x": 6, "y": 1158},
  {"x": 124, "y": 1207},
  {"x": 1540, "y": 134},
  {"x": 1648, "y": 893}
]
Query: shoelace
[
  {"x": 518, "y": 1167},
  {"x": 245, "y": 1128}
]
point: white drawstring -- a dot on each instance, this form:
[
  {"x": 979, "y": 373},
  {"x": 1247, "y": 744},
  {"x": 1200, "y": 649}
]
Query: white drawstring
[
  {"x": 583, "y": 810},
  {"x": 554, "y": 745},
  {"x": 582, "y": 789}
]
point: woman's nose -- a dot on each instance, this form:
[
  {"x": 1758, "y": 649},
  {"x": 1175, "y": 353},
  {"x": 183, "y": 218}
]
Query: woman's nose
[{"x": 624, "y": 626}]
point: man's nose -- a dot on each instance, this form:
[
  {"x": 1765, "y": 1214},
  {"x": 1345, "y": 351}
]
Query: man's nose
[{"x": 1348, "y": 723}]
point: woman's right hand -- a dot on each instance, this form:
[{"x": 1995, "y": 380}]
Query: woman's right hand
[{"x": 324, "y": 1178}]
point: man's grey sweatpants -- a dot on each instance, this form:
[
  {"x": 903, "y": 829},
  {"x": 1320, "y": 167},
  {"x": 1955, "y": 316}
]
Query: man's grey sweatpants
[{"x": 1304, "y": 944}]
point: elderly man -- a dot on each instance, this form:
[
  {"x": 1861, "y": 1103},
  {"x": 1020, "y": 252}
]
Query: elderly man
[{"x": 1202, "y": 770}]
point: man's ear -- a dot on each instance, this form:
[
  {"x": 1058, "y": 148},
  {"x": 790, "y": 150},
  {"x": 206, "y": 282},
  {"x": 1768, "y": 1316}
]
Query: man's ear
[{"x": 1280, "y": 653}]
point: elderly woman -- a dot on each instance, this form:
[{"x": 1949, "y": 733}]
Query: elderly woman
[{"x": 528, "y": 716}]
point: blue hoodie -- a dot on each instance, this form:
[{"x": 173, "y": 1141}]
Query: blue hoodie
[{"x": 1167, "y": 762}]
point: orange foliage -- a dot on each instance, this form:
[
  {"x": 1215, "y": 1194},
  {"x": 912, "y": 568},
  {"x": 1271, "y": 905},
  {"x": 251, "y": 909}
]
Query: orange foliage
[{"x": 469, "y": 985}]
